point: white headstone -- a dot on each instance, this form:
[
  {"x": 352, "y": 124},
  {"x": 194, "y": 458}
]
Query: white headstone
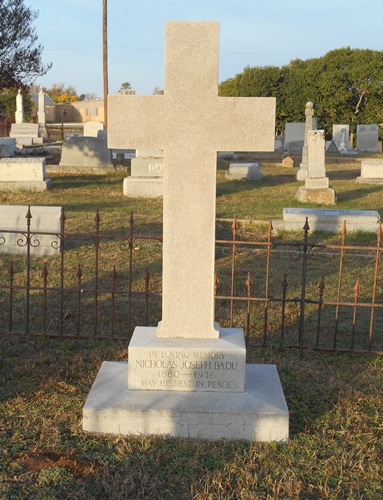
[
  {"x": 316, "y": 188},
  {"x": 247, "y": 171},
  {"x": 329, "y": 220},
  {"x": 146, "y": 174},
  {"x": 23, "y": 173},
  {"x": 25, "y": 133},
  {"x": 371, "y": 172},
  {"x": 92, "y": 128},
  {"x": 188, "y": 352},
  {"x": 316, "y": 171}
]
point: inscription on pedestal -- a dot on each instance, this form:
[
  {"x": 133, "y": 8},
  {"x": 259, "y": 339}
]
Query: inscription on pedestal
[{"x": 163, "y": 367}]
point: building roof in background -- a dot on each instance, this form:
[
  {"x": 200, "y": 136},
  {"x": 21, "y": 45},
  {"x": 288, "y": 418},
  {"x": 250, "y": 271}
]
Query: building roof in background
[{"x": 47, "y": 99}]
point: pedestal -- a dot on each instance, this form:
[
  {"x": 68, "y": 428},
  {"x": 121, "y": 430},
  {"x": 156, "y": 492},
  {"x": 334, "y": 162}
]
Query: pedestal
[
  {"x": 159, "y": 392},
  {"x": 143, "y": 187}
]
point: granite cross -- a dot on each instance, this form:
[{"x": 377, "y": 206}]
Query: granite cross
[{"x": 190, "y": 122}]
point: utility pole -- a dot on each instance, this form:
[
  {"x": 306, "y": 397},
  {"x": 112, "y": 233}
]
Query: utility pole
[{"x": 105, "y": 58}]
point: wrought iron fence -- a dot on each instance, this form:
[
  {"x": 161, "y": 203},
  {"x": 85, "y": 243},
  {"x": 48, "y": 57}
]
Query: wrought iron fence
[{"x": 101, "y": 284}]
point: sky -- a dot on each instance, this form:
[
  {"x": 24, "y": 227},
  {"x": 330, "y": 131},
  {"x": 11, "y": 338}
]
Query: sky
[{"x": 252, "y": 33}]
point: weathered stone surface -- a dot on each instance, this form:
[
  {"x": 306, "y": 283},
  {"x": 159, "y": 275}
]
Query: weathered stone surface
[
  {"x": 147, "y": 167},
  {"x": 309, "y": 112},
  {"x": 85, "y": 154},
  {"x": 165, "y": 364},
  {"x": 321, "y": 196},
  {"x": 190, "y": 123},
  {"x": 143, "y": 187},
  {"x": 259, "y": 414},
  {"x": 316, "y": 188},
  {"x": 371, "y": 172},
  {"x": 24, "y": 133},
  {"x": 247, "y": 171},
  {"x": 23, "y": 173},
  {"x": 367, "y": 138},
  {"x": 7, "y": 147},
  {"x": 92, "y": 129},
  {"x": 330, "y": 220},
  {"x": 341, "y": 136},
  {"x": 288, "y": 162}
]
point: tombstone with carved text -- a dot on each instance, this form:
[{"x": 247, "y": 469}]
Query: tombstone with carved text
[{"x": 188, "y": 377}]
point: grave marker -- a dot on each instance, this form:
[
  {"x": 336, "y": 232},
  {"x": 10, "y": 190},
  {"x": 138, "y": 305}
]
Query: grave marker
[
  {"x": 367, "y": 138},
  {"x": 190, "y": 123},
  {"x": 316, "y": 188},
  {"x": 23, "y": 173},
  {"x": 309, "y": 126},
  {"x": 187, "y": 377}
]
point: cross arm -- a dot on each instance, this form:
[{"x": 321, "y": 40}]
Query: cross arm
[
  {"x": 245, "y": 124},
  {"x": 136, "y": 122}
]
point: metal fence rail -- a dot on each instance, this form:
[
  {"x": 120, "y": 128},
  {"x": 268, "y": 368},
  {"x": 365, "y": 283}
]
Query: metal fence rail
[{"x": 101, "y": 284}]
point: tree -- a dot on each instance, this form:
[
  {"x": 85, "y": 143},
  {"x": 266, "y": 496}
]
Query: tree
[
  {"x": 20, "y": 54},
  {"x": 8, "y": 103},
  {"x": 345, "y": 85},
  {"x": 124, "y": 87},
  {"x": 60, "y": 94}
]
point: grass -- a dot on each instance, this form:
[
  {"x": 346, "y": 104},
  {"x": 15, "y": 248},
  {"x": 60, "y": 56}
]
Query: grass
[
  {"x": 336, "y": 443},
  {"x": 335, "y": 450}
]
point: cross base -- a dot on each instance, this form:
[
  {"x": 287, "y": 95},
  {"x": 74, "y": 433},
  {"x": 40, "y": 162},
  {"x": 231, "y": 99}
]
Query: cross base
[
  {"x": 187, "y": 364},
  {"x": 259, "y": 414}
]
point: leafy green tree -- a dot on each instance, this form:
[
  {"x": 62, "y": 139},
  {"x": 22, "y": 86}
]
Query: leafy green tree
[
  {"x": 8, "y": 103},
  {"x": 345, "y": 85},
  {"x": 20, "y": 54}
]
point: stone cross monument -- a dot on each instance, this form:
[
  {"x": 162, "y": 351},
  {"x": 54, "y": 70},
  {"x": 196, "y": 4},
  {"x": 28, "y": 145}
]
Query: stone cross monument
[
  {"x": 190, "y": 123},
  {"x": 188, "y": 361}
]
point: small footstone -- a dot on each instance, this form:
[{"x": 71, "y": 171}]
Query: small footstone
[{"x": 245, "y": 171}]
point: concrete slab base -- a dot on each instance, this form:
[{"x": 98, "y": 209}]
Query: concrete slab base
[
  {"x": 259, "y": 414},
  {"x": 26, "y": 185},
  {"x": 365, "y": 180},
  {"x": 80, "y": 169},
  {"x": 244, "y": 171},
  {"x": 329, "y": 220},
  {"x": 143, "y": 187}
]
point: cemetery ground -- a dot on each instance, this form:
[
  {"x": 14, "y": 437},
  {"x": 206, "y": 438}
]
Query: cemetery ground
[{"x": 336, "y": 434}]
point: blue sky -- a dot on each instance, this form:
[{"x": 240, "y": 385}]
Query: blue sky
[{"x": 252, "y": 33}]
